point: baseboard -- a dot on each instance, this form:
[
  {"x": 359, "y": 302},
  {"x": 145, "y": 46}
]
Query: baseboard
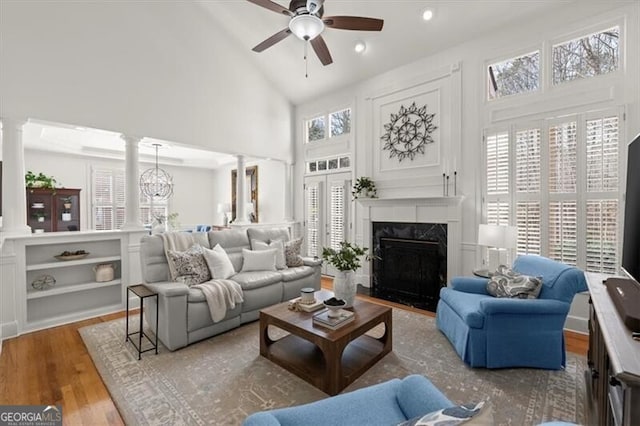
[
  {"x": 577, "y": 324},
  {"x": 9, "y": 329}
]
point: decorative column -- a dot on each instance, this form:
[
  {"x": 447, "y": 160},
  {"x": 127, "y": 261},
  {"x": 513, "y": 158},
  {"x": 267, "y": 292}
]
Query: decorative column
[
  {"x": 288, "y": 192},
  {"x": 132, "y": 189},
  {"x": 14, "y": 196},
  {"x": 241, "y": 193}
]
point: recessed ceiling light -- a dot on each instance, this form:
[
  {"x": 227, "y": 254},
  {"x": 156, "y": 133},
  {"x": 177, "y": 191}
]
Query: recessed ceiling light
[
  {"x": 360, "y": 47},
  {"x": 427, "y": 14}
]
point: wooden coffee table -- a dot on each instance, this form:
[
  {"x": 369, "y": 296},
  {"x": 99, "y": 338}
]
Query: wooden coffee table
[{"x": 328, "y": 359}]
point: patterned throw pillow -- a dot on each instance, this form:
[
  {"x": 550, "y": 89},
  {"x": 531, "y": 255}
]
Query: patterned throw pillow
[
  {"x": 467, "y": 414},
  {"x": 292, "y": 253},
  {"x": 190, "y": 265},
  {"x": 507, "y": 283}
]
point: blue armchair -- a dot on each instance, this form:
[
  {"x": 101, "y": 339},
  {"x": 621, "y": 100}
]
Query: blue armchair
[
  {"x": 387, "y": 403},
  {"x": 499, "y": 332}
]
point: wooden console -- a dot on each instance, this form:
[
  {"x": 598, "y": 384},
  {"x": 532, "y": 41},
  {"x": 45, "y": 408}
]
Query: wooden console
[{"x": 613, "y": 377}]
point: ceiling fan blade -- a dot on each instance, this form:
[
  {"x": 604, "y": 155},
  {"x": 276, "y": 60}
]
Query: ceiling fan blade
[
  {"x": 356, "y": 23},
  {"x": 321, "y": 49},
  {"x": 279, "y": 36},
  {"x": 268, "y": 4}
]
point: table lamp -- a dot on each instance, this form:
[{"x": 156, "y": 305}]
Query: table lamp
[{"x": 499, "y": 239}]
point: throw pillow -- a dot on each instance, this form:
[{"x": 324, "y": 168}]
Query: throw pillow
[
  {"x": 278, "y": 245},
  {"x": 292, "y": 253},
  {"x": 219, "y": 263},
  {"x": 190, "y": 266},
  {"x": 258, "y": 260},
  {"x": 506, "y": 282},
  {"x": 468, "y": 414}
]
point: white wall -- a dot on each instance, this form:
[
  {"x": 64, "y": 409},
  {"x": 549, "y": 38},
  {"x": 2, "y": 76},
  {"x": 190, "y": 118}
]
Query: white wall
[
  {"x": 155, "y": 69},
  {"x": 271, "y": 189},
  {"x": 623, "y": 90},
  {"x": 194, "y": 199}
]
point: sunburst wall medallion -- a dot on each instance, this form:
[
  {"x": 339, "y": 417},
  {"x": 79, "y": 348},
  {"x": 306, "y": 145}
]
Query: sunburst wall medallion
[{"x": 408, "y": 132}]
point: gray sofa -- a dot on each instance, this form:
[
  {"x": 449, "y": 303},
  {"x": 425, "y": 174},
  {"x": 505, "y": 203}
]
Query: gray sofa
[{"x": 184, "y": 316}]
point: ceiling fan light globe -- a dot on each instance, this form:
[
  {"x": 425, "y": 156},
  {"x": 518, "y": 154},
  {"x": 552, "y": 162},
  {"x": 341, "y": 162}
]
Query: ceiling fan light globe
[{"x": 306, "y": 27}]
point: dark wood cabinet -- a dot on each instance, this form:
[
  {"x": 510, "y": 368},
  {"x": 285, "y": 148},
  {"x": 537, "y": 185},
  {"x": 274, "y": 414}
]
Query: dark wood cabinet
[
  {"x": 53, "y": 210},
  {"x": 613, "y": 377}
]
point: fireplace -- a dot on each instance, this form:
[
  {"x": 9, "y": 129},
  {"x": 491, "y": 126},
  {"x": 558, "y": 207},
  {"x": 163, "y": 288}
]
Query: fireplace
[{"x": 411, "y": 262}]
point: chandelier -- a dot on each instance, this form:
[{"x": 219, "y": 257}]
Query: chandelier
[{"x": 155, "y": 182}]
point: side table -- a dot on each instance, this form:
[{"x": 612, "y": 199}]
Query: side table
[{"x": 142, "y": 292}]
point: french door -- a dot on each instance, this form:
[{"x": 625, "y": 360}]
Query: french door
[{"x": 327, "y": 215}]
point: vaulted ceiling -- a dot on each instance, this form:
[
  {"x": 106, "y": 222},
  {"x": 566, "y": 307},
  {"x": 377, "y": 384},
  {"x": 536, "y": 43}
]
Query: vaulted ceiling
[{"x": 405, "y": 37}]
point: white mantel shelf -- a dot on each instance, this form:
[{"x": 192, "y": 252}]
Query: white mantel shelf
[{"x": 453, "y": 200}]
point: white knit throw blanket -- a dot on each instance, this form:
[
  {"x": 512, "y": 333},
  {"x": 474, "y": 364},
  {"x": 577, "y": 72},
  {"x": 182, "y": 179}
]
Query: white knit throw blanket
[{"x": 221, "y": 295}]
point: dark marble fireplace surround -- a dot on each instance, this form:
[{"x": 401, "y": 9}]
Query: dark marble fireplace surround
[{"x": 411, "y": 262}]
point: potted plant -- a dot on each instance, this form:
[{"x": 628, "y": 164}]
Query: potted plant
[
  {"x": 39, "y": 181},
  {"x": 66, "y": 203},
  {"x": 346, "y": 260},
  {"x": 364, "y": 187},
  {"x": 40, "y": 216}
]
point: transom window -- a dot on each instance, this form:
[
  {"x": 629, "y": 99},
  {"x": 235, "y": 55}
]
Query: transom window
[
  {"x": 331, "y": 164},
  {"x": 583, "y": 57},
  {"x": 595, "y": 54},
  {"x": 513, "y": 76},
  {"x": 329, "y": 126}
]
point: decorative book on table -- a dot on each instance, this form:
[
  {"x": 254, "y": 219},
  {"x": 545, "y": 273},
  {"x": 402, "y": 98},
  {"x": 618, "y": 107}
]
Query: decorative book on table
[
  {"x": 323, "y": 319},
  {"x": 310, "y": 307}
]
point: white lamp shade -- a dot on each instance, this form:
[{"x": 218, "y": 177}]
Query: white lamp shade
[
  {"x": 306, "y": 27},
  {"x": 498, "y": 236}
]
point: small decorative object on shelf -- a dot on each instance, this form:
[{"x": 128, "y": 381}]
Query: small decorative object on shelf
[
  {"x": 364, "y": 188},
  {"x": 40, "y": 216},
  {"x": 104, "y": 272},
  {"x": 66, "y": 203},
  {"x": 75, "y": 255},
  {"x": 43, "y": 282}
]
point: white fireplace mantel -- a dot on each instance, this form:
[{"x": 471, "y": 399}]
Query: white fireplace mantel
[{"x": 446, "y": 210}]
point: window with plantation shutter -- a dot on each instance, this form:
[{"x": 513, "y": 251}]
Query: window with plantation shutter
[
  {"x": 109, "y": 201},
  {"x": 602, "y": 154},
  {"x": 563, "y": 231},
  {"x": 562, "y": 190},
  {"x": 602, "y": 236},
  {"x": 497, "y": 213},
  {"x": 337, "y": 215},
  {"x": 313, "y": 219},
  {"x": 497, "y": 163},
  {"x": 562, "y": 158},
  {"x": 528, "y": 160},
  {"x": 528, "y": 222}
]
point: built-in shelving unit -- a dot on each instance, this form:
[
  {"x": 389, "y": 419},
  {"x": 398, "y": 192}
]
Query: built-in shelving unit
[{"x": 76, "y": 293}]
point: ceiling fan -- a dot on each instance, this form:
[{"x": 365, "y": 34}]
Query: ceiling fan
[{"x": 307, "y": 23}]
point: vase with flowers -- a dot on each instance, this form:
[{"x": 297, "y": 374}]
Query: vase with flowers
[{"x": 347, "y": 259}]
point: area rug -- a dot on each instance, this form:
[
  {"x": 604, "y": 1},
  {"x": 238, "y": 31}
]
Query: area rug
[{"x": 224, "y": 379}]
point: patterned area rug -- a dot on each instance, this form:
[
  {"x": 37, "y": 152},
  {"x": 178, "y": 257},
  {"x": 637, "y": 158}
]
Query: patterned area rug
[{"x": 223, "y": 379}]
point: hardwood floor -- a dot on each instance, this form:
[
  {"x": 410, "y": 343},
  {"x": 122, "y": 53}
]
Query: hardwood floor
[{"x": 53, "y": 367}]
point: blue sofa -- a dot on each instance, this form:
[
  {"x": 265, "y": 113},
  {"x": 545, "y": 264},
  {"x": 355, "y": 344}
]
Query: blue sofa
[
  {"x": 387, "y": 403},
  {"x": 500, "y": 332}
]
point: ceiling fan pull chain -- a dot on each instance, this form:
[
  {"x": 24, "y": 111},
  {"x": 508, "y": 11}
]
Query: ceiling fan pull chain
[{"x": 306, "y": 60}]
